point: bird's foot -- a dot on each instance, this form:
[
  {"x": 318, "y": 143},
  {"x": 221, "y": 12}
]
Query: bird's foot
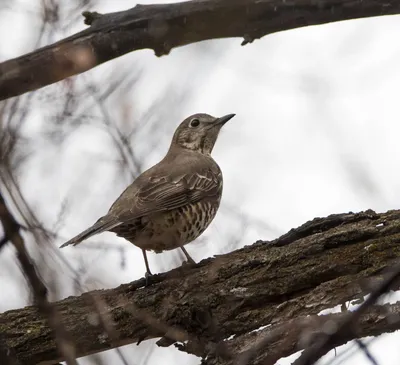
[
  {"x": 188, "y": 263},
  {"x": 189, "y": 258},
  {"x": 148, "y": 276}
]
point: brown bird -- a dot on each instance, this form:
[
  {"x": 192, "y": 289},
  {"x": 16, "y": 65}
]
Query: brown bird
[{"x": 173, "y": 202}]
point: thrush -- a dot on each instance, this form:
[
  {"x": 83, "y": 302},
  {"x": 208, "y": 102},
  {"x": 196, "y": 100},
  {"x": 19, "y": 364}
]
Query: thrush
[{"x": 173, "y": 202}]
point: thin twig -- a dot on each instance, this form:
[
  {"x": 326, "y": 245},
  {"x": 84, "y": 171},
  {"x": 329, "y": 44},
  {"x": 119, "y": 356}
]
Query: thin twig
[
  {"x": 366, "y": 351},
  {"x": 11, "y": 230}
]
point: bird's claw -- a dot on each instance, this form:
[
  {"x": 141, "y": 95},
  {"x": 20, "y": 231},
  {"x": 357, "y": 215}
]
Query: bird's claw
[
  {"x": 147, "y": 276},
  {"x": 188, "y": 263}
]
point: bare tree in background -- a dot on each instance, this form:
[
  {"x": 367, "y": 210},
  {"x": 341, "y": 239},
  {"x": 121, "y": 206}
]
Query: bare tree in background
[
  {"x": 93, "y": 105},
  {"x": 231, "y": 296}
]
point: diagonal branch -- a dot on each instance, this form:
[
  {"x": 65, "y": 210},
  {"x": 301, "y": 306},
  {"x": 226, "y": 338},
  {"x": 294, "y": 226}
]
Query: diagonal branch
[
  {"x": 321, "y": 264},
  {"x": 284, "y": 339},
  {"x": 327, "y": 341},
  {"x": 166, "y": 26}
]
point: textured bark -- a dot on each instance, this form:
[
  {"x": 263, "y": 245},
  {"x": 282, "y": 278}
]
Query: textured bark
[
  {"x": 267, "y": 346},
  {"x": 316, "y": 266},
  {"x": 166, "y": 26}
]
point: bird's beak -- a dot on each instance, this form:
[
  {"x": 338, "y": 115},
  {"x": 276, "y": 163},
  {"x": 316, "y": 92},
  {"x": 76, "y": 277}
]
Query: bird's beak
[{"x": 221, "y": 121}]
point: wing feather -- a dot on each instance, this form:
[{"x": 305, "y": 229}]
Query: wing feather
[{"x": 165, "y": 193}]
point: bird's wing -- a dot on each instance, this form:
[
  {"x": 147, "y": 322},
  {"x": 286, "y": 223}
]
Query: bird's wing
[
  {"x": 167, "y": 192},
  {"x": 156, "y": 193}
]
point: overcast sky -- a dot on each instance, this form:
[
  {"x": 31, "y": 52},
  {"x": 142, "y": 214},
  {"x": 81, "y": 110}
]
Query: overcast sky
[{"x": 316, "y": 132}]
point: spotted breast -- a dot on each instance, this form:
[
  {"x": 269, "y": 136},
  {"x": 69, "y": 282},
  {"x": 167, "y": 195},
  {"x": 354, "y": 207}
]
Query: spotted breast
[{"x": 171, "y": 229}]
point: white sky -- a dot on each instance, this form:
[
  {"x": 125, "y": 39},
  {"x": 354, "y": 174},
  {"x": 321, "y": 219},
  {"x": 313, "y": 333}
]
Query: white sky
[{"x": 316, "y": 133}]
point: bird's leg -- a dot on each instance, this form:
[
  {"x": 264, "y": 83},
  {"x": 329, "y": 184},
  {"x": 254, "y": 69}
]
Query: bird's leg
[
  {"x": 188, "y": 256},
  {"x": 146, "y": 262}
]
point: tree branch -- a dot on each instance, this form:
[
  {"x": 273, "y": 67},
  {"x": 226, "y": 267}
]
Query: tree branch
[
  {"x": 166, "y": 26},
  {"x": 323, "y": 263},
  {"x": 284, "y": 339},
  {"x": 328, "y": 341}
]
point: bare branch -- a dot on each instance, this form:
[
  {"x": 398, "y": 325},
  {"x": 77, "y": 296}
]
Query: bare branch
[
  {"x": 286, "y": 338},
  {"x": 367, "y": 353},
  {"x": 11, "y": 231},
  {"x": 163, "y": 27},
  {"x": 321, "y": 264},
  {"x": 328, "y": 340}
]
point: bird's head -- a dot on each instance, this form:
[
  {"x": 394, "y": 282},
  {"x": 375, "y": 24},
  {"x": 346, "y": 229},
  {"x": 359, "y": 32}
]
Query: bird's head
[{"x": 199, "y": 132}]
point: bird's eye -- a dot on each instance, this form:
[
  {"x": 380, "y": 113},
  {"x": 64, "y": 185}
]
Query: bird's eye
[{"x": 194, "y": 123}]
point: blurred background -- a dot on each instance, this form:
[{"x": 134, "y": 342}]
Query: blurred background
[{"x": 316, "y": 132}]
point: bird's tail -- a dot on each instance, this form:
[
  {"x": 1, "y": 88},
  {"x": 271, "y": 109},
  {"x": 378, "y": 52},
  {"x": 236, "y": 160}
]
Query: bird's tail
[{"x": 103, "y": 224}]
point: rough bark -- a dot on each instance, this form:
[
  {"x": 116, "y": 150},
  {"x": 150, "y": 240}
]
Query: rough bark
[
  {"x": 166, "y": 26},
  {"x": 325, "y": 262}
]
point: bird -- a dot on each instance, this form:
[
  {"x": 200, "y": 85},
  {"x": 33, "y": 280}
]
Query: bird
[{"x": 172, "y": 203}]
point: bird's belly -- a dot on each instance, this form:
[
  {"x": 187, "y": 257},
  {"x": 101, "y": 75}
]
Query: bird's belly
[{"x": 175, "y": 228}]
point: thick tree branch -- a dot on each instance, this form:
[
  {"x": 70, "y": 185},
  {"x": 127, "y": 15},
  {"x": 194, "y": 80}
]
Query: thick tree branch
[
  {"x": 328, "y": 341},
  {"x": 284, "y": 339},
  {"x": 316, "y": 266},
  {"x": 166, "y": 26}
]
